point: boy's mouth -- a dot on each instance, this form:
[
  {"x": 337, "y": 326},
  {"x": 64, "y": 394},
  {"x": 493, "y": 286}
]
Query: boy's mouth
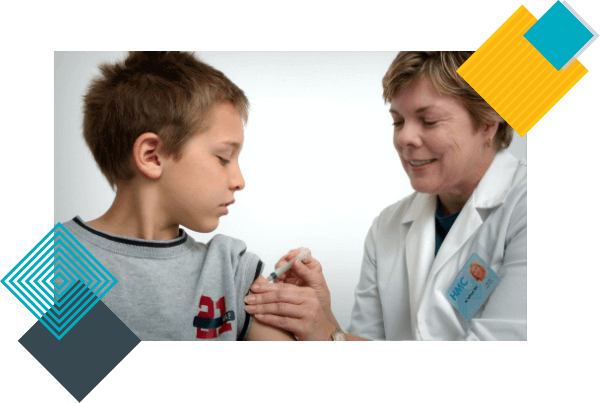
[{"x": 227, "y": 204}]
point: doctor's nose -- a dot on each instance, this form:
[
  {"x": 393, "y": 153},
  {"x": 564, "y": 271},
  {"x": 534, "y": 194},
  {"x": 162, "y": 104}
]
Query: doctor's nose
[{"x": 408, "y": 135}]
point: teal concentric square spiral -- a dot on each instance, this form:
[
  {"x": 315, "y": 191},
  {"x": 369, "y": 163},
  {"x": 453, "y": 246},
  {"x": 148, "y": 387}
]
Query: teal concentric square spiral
[{"x": 59, "y": 281}]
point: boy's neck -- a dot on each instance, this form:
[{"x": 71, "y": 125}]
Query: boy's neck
[{"x": 136, "y": 212}]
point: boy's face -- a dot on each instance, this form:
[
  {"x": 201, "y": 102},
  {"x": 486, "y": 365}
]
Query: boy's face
[{"x": 200, "y": 185}]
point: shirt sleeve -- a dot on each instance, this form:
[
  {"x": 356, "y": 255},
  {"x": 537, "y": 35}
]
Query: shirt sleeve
[
  {"x": 249, "y": 269},
  {"x": 367, "y": 315}
]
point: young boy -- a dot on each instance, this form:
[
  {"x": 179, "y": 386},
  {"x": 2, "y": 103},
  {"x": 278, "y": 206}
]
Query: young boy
[{"x": 166, "y": 130}]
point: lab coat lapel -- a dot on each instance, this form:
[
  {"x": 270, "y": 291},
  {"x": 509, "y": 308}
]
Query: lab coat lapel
[
  {"x": 490, "y": 193},
  {"x": 465, "y": 225},
  {"x": 420, "y": 247}
]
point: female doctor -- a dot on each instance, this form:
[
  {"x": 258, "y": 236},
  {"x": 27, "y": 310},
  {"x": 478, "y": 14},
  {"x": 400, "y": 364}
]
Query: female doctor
[{"x": 470, "y": 198}]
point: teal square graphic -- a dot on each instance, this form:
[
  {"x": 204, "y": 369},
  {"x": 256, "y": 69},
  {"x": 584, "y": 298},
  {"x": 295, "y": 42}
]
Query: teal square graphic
[
  {"x": 558, "y": 35},
  {"x": 59, "y": 281}
]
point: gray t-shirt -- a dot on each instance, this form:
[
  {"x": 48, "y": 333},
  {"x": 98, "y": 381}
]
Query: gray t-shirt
[{"x": 177, "y": 289}]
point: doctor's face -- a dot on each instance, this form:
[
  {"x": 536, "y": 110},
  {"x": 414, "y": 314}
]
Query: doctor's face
[{"x": 439, "y": 147}]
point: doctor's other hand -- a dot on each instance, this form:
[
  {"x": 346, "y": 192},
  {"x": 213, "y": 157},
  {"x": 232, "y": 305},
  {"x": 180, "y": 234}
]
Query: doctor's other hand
[
  {"x": 290, "y": 307},
  {"x": 308, "y": 274}
]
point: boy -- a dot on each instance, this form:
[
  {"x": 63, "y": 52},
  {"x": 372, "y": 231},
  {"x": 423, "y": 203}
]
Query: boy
[{"x": 166, "y": 131}]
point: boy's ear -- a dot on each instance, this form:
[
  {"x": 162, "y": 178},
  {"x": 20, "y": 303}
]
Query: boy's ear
[{"x": 146, "y": 156}]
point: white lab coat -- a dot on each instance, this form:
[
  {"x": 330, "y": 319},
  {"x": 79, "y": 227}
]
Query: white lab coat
[{"x": 402, "y": 290}]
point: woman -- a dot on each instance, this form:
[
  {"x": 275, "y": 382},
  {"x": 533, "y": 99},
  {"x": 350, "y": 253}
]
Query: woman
[{"x": 470, "y": 197}]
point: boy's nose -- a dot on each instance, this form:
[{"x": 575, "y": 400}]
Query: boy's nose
[
  {"x": 240, "y": 186},
  {"x": 237, "y": 181}
]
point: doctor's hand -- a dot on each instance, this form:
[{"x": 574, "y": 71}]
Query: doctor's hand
[
  {"x": 309, "y": 274},
  {"x": 289, "y": 307}
]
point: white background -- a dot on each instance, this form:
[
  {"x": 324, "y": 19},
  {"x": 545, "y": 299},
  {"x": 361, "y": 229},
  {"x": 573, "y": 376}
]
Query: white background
[{"x": 318, "y": 158}]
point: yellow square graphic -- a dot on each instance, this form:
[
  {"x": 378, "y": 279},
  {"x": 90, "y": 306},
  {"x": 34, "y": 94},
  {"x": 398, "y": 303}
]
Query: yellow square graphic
[{"x": 513, "y": 76}]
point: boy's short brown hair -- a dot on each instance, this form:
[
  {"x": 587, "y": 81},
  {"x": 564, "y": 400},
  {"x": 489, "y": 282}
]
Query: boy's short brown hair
[
  {"x": 440, "y": 68},
  {"x": 166, "y": 93}
]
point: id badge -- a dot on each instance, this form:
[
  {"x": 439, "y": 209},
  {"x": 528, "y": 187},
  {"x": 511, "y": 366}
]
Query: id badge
[{"x": 472, "y": 287}]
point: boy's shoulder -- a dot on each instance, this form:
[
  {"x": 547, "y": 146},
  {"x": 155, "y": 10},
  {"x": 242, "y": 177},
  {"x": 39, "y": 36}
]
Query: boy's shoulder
[
  {"x": 226, "y": 245},
  {"x": 230, "y": 251}
]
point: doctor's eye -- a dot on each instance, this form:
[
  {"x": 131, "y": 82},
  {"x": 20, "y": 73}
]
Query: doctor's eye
[
  {"x": 223, "y": 161},
  {"x": 398, "y": 123},
  {"x": 428, "y": 123}
]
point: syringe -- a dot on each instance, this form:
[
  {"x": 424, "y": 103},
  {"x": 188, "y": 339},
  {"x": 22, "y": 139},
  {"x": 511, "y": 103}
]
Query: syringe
[{"x": 303, "y": 255}]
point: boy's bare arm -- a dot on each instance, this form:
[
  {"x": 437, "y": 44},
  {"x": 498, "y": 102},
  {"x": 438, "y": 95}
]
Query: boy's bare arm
[{"x": 259, "y": 331}]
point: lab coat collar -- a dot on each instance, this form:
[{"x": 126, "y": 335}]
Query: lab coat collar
[
  {"x": 495, "y": 184},
  {"x": 420, "y": 254}
]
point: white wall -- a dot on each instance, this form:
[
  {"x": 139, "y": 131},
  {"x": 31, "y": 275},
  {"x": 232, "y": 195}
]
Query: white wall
[{"x": 318, "y": 159}]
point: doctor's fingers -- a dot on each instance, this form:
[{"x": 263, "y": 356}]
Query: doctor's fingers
[
  {"x": 292, "y": 325},
  {"x": 280, "y": 309},
  {"x": 289, "y": 256},
  {"x": 310, "y": 260},
  {"x": 312, "y": 325},
  {"x": 261, "y": 288},
  {"x": 287, "y": 293}
]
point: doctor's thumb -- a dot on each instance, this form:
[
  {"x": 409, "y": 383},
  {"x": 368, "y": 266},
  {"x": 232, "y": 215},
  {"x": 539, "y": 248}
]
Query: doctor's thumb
[
  {"x": 302, "y": 271},
  {"x": 310, "y": 277}
]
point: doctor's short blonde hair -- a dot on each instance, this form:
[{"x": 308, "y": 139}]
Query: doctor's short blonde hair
[
  {"x": 440, "y": 68},
  {"x": 169, "y": 94}
]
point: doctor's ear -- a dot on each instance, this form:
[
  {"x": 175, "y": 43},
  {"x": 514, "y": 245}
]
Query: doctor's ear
[
  {"x": 490, "y": 130},
  {"x": 146, "y": 155}
]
